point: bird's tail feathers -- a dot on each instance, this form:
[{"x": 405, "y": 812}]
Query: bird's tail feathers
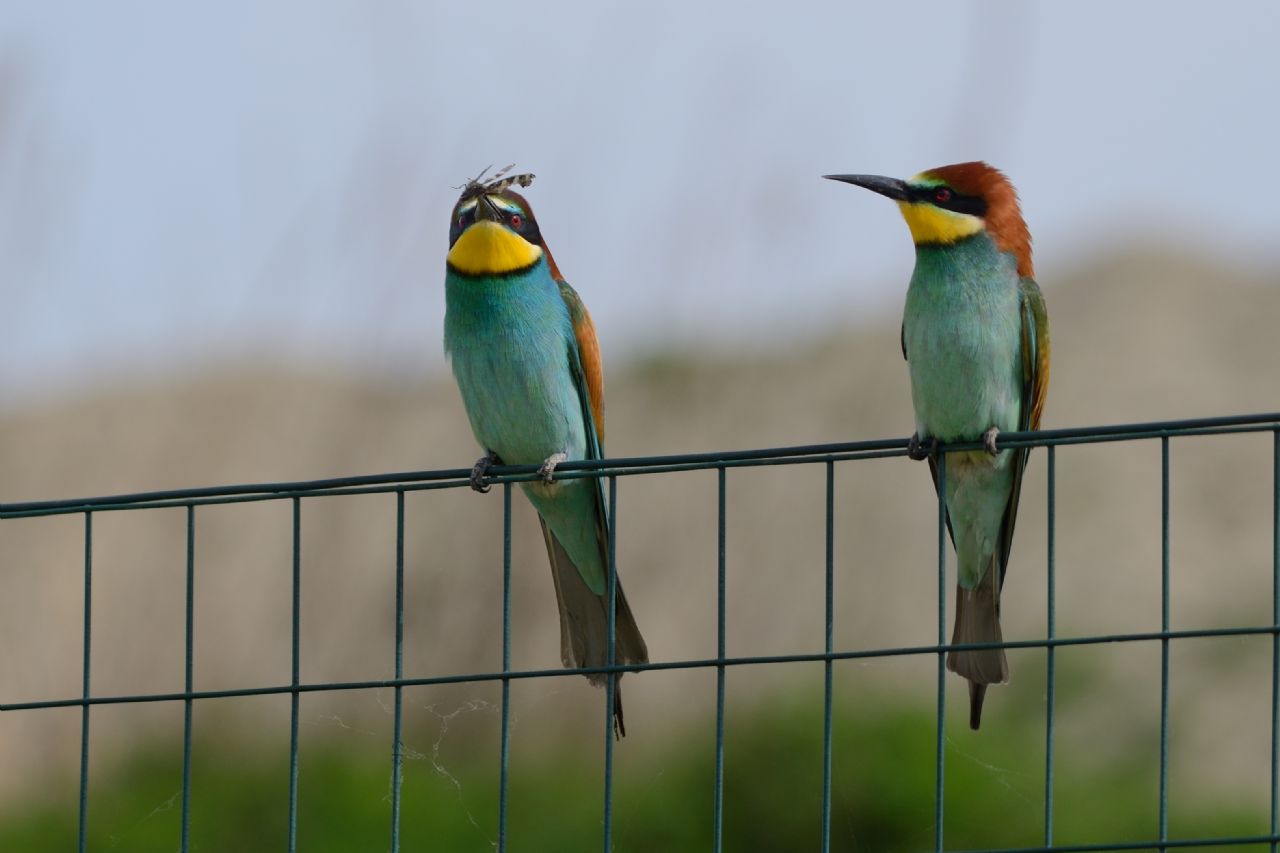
[
  {"x": 584, "y": 625},
  {"x": 978, "y": 621}
]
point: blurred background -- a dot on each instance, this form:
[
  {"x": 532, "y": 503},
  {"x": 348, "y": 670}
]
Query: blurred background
[{"x": 222, "y": 239}]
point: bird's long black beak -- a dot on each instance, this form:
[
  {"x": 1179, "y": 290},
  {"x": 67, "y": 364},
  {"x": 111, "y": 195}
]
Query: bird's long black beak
[
  {"x": 485, "y": 209},
  {"x": 890, "y": 187}
]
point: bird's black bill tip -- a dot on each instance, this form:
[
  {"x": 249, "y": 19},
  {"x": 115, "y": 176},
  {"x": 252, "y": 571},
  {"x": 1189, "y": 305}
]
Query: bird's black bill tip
[{"x": 888, "y": 187}]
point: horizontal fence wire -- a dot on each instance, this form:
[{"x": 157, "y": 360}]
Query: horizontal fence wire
[
  {"x": 453, "y": 478},
  {"x": 652, "y": 666},
  {"x": 399, "y": 484}
]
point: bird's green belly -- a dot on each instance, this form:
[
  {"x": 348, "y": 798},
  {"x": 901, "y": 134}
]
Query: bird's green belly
[
  {"x": 966, "y": 367},
  {"x": 521, "y": 407},
  {"x": 959, "y": 395}
]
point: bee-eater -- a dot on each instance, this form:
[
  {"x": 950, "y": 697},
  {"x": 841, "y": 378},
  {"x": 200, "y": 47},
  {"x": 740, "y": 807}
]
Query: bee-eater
[
  {"x": 975, "y": 335},
  {"x": 527, "y": 362}
]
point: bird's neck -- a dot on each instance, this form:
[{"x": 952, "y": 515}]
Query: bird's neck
[
  {"x": 970, "y": 269},
  {"x": 480, "y": 307}
]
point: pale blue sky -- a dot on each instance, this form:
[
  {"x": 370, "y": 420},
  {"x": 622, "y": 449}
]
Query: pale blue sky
[{"x": 182, "y": 184}]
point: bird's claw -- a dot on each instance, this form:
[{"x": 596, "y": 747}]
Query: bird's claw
[
  {"x": 989, "y": 440},
  {"x": 548, "y": 468},
  {"x": 481, "y": 469},
  {"x": 917, "y": 450}
]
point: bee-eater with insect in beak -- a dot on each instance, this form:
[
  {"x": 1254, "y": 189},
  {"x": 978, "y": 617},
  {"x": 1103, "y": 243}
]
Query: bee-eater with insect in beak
[
  {"x": 975, "y": 335},
  {"x": 525, "y": 355}
]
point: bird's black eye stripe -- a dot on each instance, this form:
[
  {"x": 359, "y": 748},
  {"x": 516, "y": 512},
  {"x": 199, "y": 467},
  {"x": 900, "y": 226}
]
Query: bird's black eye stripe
[
  {"x": 970, "y": 204},
  {"x": 527, "y": 227},
  {"x": 915, "y": 195}
]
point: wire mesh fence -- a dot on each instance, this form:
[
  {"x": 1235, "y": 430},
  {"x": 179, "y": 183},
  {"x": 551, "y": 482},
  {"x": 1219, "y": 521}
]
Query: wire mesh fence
[{"x": 829, "y": 457}]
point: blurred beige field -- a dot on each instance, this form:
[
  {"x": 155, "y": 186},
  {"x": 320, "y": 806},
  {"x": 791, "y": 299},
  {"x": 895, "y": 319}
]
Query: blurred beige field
[{"x": 1138, "y": 336}]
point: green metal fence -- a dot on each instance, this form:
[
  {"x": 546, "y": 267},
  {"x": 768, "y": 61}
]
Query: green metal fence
[{"x": 826, "y": 455}]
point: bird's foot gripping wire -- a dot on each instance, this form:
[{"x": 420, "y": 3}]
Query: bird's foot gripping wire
[
  {"x": 548, "y": 468},
  {"x": 917, "y": 450},
  {"x": 481, "y": 469},
  {"x": 989, "y": 440}
]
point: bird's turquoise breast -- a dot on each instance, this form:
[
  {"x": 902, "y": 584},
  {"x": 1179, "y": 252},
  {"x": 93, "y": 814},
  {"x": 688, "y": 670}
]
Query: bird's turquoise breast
[
  {"x": 963, "y": 333},
  {"x": 508, "y": 339}
]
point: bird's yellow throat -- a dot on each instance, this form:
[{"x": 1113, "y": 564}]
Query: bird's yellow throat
[
  {"x": 488, "y": 248},
  {"x": 931, "y": 224}
]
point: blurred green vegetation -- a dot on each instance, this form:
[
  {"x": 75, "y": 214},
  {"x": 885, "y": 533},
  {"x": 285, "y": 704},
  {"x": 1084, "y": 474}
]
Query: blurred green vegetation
[{"x": 883, "y": 788}]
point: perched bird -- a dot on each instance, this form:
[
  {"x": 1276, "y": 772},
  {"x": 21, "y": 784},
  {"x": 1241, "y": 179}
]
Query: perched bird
[
  {"x": 975, "y": 335},
  {"x": 526, "y": 359}
]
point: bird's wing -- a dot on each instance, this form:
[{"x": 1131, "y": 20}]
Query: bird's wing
[
  {"x": 588, "y": 377},
  {"x": 1035, "y": 352},
  {"x": 584, "y": 614},
  {"x": 587, "y": 370},
  {"x": 1035, "y": 387},
  {"x": 902, "y": 339}
]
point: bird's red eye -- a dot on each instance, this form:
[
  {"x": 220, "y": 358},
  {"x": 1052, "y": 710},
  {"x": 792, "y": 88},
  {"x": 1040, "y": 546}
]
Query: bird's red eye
[
  {"x": 516, "y": 220},
  {"x": 942, "y": 194}
]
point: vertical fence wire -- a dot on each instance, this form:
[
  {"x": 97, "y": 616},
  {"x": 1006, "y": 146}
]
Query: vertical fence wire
[
  {"x": 84, "y": 709},
  {"x": 830, "y": 645},
  {"x": 1164, "y": 642},
  {"x": 294, "y": 695},
  {"x": 1275, "y": 638},
  {"x": 504, "y": 746},
  {"x": 718, "y": 807},
  {"x": 940, "y": 768},
  {"x": 611, "y": 681},
  {"x": 1050, "y": 633},
  {"x": 189, "y": 680},
  {"x": 397, "y": 748}
]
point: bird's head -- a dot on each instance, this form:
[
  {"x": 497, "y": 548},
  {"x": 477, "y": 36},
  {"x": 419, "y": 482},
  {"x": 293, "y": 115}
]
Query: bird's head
[
  {"x": 950, "y": 203},
  {"x": 492, "y": 230}
]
